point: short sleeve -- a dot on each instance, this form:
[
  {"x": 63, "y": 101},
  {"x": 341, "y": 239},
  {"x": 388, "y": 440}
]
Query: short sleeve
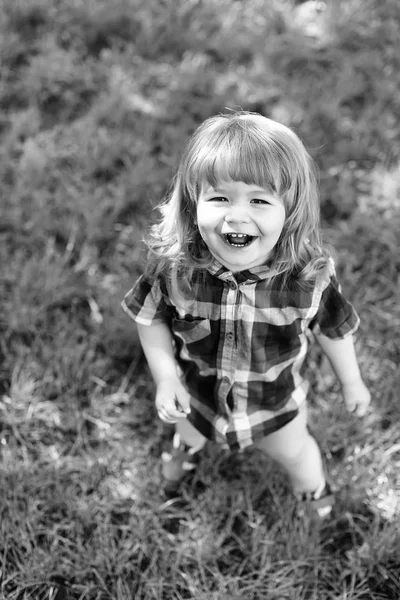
[
  {"x": 145, "y": 302},
  {"x": 335, "y": 317}
]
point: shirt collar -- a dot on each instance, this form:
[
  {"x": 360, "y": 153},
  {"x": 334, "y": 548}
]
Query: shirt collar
[{"x": 245, "y": 276}]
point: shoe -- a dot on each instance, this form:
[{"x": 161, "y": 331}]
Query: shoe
[
  {"x": 320, "y": 503},
  {"x": 177, "y": 463}
]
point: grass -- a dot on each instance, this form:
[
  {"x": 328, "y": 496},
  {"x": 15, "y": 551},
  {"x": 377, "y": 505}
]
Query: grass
[{"x": 96, "y": 102}]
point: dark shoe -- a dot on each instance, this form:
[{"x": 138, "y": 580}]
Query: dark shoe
[
  {"x": 319, "y": 503},
  {"x": 177, "y": 463}
]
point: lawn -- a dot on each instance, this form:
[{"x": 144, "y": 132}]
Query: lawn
[{"x": 97, "y": 100}]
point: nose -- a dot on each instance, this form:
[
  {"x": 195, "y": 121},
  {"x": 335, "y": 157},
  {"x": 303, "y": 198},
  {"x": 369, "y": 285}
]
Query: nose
[{"x": 237, "y": 214}]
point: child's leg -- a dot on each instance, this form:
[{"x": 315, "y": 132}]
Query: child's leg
[
  {"x": 297, "y": 452},
  {"x": 189, "y": 434}
]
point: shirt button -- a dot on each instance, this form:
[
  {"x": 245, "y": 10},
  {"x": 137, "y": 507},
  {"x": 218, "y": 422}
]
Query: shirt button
[
  {"x": 232, "y": 285},
  {"x": 229, "y": 336},
  {"x": 225, "y": 380}
]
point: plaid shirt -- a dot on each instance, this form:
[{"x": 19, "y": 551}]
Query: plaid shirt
[{"x": 241, "y": 345}]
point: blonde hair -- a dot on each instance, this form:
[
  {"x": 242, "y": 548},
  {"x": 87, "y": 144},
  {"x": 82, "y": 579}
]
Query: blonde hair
[{"x": 247, "y": 147}]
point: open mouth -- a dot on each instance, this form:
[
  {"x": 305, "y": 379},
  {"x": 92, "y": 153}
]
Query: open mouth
[{"x": 238, "y": 240}]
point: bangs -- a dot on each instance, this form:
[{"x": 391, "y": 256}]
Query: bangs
[{"x": 233, "y": 154}]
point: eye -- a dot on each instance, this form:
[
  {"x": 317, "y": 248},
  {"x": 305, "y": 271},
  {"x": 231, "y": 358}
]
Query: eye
[
  {"x": 260, "y": 201},
  {"x": 218, "y": 199}
]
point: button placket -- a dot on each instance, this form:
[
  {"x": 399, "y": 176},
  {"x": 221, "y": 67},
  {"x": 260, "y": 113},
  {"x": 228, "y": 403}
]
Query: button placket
[{"x": 229, "y": 352}]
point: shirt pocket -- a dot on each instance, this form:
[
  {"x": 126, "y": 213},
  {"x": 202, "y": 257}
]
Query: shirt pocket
[
  {"x": 195, "y": 335},
  {"x": 193, "y": 330}
]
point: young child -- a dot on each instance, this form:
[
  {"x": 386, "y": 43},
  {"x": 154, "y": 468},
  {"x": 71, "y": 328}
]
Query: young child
[{"x": 237, "y": 278}]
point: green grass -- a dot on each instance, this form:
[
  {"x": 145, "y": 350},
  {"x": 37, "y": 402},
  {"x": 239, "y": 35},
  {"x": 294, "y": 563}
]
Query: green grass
[{"x": 96, "y": 102}]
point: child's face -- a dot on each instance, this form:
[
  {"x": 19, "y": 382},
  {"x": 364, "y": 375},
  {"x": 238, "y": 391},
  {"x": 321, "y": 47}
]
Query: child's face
[{"x": 240, "y": 223}]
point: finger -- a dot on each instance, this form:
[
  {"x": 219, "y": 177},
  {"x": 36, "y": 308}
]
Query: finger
[
  {"x": 177, "y": 414},
  {"x": 166, "y": 417},
  {"x": 166, "y": 408},
  {"x": 182, "y": 403},
  {"x": 171, "y": 415},
  {"x": 177, "y": 411},
  {"x": 182, "y": 408}
]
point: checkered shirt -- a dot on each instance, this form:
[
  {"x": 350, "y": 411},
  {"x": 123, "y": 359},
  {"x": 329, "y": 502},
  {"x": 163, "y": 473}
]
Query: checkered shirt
[{"x": 242, "y": 343}]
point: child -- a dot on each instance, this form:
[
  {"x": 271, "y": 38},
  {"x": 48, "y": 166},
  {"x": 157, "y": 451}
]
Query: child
[{"x": 237, "y": 278}]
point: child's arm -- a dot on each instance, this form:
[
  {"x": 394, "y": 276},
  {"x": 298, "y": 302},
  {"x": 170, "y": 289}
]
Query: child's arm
[
  {"x": 172, "y": 399},
  {"x": 342, "y": 356}
]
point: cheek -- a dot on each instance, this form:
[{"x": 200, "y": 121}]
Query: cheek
[
  {"x": 280, "y": 221},
  {"x": 274, "y": 226},
  {"x": 204, "y": 218},
  {"x": 201, "y": 224},
  {"x": 199, "y": 214},
  {"x": 204, "y": 233}
]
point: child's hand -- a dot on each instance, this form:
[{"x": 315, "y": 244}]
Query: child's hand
[
  {"x": 356, "y": 397},
  {"x": 172, "y": 400}
]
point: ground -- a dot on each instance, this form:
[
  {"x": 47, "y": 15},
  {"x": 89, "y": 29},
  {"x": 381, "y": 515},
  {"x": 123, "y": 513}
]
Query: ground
[{"x": 96, "y": 102}]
